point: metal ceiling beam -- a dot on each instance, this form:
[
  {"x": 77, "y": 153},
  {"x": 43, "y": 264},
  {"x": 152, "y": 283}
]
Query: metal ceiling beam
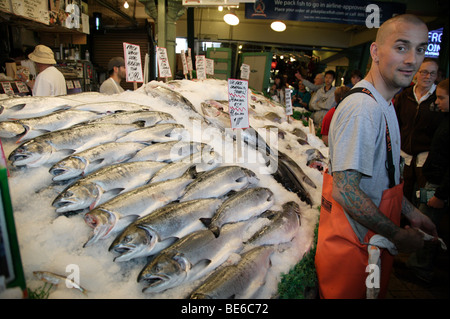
[{"x": 107, "y": 5}]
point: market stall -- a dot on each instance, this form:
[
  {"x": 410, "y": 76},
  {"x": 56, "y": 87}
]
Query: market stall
[{"x": 112, "y": 250}]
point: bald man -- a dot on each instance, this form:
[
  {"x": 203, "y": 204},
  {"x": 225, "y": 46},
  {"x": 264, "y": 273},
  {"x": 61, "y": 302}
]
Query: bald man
[{"x": 362, "y": 198}]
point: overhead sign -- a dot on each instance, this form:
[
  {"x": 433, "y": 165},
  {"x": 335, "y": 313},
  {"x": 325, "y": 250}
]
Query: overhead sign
[
  {"x": 133, "y": 64},
  {"x": 336, "y": 11},
  {"x": 214, "y": 3},
  {"x": 434, "y": 43}
]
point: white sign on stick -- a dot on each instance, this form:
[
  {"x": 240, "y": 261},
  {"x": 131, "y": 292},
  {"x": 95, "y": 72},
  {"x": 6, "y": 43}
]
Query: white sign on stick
[
  {"x": 189, "y": 60},
  {"x": 184, "y": 63},
  {"x": 210, "y": 66},
  {"x": 245, "y": 71},
  {"x": 287, "y": 96},
  {"x": 163, "y": 63},
  {"x": 200, "y": 65},
  {"x": 238, "y": 103},
  {"x": 133, "y": 64}
]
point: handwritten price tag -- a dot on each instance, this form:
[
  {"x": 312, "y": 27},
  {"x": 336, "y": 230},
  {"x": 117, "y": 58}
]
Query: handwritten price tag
[
  {"x": 163, "y": 63},
  {"x": 200, "y": 64},
  {"x": 287, "y": 95},
  {"x": 245, "y": 71},
  {"x": 133, "y": 63},
  {"x": 238, "y": 103}
]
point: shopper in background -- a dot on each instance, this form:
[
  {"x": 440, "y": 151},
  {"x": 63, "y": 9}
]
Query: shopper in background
[
  {"x": 277, "y": 90},
  {"x": 418, "y": 117},
  {"x": 49, "y": 80},
  {"x": 362, "y": 197},
  {"x": 338, "y": 96},
  {"x": 301, "y": 97},
  {"x": 355, "y": 77},
  {"x": 436, "y": 171},
  {"x": 319, "y": 81},
  {"x": 117, "y": 73},
  {"x": 323, "y": 99}
]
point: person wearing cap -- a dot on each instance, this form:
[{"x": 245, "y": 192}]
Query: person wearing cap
[
  {"x": 49, "y": 81},
  {"x": 117, "y": 72}
]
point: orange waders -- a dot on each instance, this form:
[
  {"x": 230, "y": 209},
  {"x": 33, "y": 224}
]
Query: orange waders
[{"x": 341, "y": 259}]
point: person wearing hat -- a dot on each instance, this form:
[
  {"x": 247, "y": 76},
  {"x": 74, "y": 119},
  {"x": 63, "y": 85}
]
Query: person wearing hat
[
  {"x": 49, "y": 81},
  {"x": 117, "y": 72}
]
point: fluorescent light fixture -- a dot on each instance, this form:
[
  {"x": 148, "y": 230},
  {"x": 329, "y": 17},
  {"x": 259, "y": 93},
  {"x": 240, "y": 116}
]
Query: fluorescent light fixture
[
  {"x": 126, "y": 5},
  {"x": 231, "y": 18},
  {"x": 278, "y": 26}
]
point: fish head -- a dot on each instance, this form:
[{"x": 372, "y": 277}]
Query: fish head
[
  {"x": 68, "y": 168},
  {"x": 164, "y": 272},
  {"x": 102, "y": 221},
  {"x": 30, "y": 154},
  {"x": 78, "y": 196},
  {"x": 211, "y": 110},
  {"x": 10, "y": 129},
  {"x": 135, "y": 241}
]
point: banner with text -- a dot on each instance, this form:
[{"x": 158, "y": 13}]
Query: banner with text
[{"x": 336, "y": 11}]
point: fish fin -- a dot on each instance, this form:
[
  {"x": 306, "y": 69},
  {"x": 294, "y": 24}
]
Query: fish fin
[
  {"x": 114, "y": 192},
  {"x": 215, "y": 230},
  {"x": 97, "y": 161},
  {"x": 66, "y": 152},
  {"x": 202, "y": 264},
  {"x": 18, "y": 107},
  {"x": 269, "y": 214},
  {"x": 140, "y": 123},
  {"x": 206, "y": 221},
  {"x": 192, "y": 172},
  {"x": 126, "y": 220}
]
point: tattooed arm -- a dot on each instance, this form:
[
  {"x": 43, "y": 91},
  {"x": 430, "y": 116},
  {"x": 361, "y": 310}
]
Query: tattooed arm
[{"x": 361, "y": 208}]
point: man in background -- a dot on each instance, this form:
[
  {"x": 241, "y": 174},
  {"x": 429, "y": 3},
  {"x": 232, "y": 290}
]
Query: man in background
[
  {"x": 117, "y": 73},
  {"x": 49, "y": 80}
]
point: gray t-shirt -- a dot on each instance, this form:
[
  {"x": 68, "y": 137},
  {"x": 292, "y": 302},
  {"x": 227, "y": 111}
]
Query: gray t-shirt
[
  {"x": 109, "y": 86},
  {"x": 357, "y": 140}
]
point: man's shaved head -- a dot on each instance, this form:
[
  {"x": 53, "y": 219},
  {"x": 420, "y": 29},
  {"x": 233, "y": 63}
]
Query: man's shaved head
[{"x": 389, "y": 25}]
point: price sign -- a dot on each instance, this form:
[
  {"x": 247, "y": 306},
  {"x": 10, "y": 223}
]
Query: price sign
[
  {"x": 133, "y": 64},
  {"x": 287, "y": 96},
  {"x": 238, "y": 103},
  {"x": 184, "y": 62},
  {"x": 200, "y": 65},
  {"x": 245, "y": 71},
  {"x": 210, "y": 66}
]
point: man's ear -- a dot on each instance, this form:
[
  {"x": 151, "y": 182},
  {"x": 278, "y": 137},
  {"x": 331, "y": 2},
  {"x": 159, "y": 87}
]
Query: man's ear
[{"x": 374, "y": 52}]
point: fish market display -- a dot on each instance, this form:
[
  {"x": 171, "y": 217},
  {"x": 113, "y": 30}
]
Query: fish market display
[{"x": 151, "y": 194}]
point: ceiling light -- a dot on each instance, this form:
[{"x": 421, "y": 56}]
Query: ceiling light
[
  {"x": 126, "y": 5},
  {"x": 220, "y": 8},
  {"x": 278, "y": 26},
  {"x": 231, "y": 18}
]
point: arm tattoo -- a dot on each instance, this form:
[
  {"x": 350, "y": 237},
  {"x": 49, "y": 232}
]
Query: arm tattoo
[{"x": 358, "y": 205}]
